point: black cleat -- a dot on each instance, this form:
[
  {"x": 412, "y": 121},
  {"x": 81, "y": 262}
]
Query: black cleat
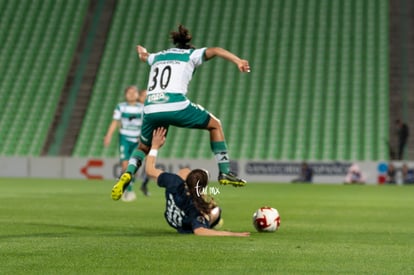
[{"x": 230, "y": 178}]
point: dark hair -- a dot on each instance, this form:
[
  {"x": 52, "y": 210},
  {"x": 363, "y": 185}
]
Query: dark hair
[
  {"x": 182, "y": 38},
  {"x": 197, "y": 181}
]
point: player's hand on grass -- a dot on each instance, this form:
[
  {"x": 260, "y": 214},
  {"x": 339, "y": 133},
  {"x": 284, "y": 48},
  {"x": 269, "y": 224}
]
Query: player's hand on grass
[
  {"x": 242, "y": 234},
  {"x": 158, "y": 137}
]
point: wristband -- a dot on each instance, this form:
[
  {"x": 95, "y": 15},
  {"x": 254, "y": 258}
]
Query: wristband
[{"x": 153, "y": 152}]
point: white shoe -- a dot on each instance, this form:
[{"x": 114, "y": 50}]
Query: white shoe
[{"x": 129, "y": 196}]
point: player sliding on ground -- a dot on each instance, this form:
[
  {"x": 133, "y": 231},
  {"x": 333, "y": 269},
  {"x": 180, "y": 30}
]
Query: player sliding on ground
[
  {"x": 188, "y": 210},
  {"x": 166, "y": 103}
]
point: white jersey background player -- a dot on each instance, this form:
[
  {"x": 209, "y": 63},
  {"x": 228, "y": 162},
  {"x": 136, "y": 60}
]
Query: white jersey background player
[{"x": 127, "y": 117}]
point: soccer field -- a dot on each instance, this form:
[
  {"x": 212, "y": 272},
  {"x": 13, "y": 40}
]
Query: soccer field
[{"x": 73, "y": 226}]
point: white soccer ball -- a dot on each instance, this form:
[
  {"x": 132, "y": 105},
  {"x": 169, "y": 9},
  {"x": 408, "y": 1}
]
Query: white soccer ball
[{"x": 266, "y": 219}]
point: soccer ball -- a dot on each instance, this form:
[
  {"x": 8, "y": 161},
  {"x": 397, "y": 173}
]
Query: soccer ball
[{"x": 266, "y": 219}]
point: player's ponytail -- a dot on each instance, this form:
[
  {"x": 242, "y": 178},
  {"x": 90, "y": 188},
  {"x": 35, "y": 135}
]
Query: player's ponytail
[
  {"x": 182, "y": 38},
  {"x": 197, "y": 182}
]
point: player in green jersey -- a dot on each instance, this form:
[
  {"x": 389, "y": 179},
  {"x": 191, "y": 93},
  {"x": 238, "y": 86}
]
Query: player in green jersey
[
  {"x": 128, "y": 117},
  {"x": 166, "y": 103}
]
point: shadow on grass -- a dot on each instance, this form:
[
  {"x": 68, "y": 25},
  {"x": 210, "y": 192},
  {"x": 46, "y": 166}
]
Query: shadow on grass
[{"x": 51, "y": 230}]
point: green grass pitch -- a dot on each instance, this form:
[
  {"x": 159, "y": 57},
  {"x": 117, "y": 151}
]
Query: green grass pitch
[{"x": 73, "y": 227}]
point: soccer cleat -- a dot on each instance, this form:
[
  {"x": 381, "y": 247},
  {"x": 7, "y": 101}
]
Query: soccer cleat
[
  {"x": 230, "y": 178},
  {"x": 120, "y": 186}
]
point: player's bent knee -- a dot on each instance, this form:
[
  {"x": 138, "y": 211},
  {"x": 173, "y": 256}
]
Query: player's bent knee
[
  {"x": 214, "y": 123},
  {"x": 144, "y": 148}
]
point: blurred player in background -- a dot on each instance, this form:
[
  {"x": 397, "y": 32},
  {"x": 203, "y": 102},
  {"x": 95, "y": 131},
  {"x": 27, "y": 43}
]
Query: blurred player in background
[
  {"x": 403, "y": 134},
  {"x": 306, "y": 174},
  {"x": 167, "y": 104},
  {"x": 188, "y": 209},
  {"x": 128, "y": 117}
]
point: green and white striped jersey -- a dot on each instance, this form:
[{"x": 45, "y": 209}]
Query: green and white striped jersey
[
  {"x": 130, "y": 117},
  {"x": 171, "y": 72}
]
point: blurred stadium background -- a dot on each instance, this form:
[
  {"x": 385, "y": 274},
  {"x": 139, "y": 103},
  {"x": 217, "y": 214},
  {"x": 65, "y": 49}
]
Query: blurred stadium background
[{"x": 328, "y": 78}]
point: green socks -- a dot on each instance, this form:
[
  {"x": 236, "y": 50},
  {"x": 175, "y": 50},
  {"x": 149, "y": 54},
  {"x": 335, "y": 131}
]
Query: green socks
[
  {"x": 135, "y": 161},
  {"x": 219, "y": 149}
]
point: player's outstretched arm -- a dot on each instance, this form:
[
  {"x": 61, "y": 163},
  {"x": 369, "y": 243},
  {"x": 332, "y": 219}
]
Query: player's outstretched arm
[
  {"x": 142, "y": 53},
  {"x": 112, "y": 128},
  {"x": 242, "y": 64},
  {"x": 158, "y": 140},
  {"x": 201, "y": 231}
]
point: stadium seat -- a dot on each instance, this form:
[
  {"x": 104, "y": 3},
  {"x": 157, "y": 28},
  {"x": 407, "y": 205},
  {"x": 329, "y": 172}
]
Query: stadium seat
[
  {"x": 38, "y": 41},
  {"x": 318, "y": 89}
]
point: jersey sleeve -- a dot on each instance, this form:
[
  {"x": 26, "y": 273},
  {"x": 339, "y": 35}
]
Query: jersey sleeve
[
  {"x": 150, "y": 59},
  {"x": 197, "y": 56},
  {"x": 117, "y": 113},
  {"x": 169, "y": 180}
]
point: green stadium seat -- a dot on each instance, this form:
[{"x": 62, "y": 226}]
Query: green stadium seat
[
  {"x": 32, "y": 76},
  {"x": 317, "y": 90}
]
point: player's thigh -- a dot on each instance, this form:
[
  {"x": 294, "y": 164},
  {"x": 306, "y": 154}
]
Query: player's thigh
[
  {"x": 150, "y": 123},
  {"x": 194, "y": 116}
]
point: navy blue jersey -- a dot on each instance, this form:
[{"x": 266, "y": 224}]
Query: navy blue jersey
[{"x": 180, "y": 211}]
